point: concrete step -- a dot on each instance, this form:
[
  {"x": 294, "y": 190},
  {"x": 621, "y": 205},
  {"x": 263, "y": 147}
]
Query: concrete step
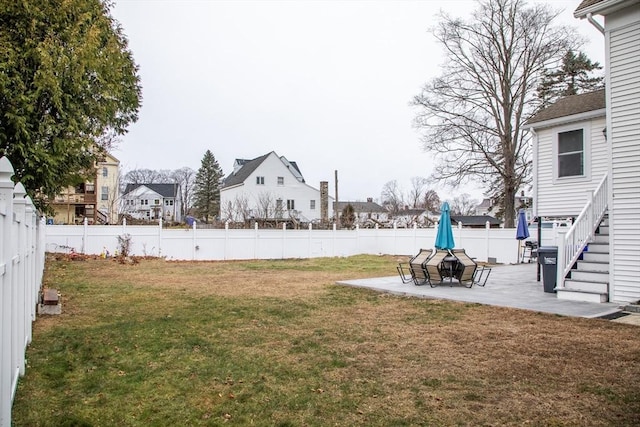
[
  {"x": 601, "y": 238},
  {"x": 602, "y": 229},
  {"x": 602, "y": 267},
  {"x": 595, "y": 257},
  {"x": 572, "y": 295},
  {"x": 590, "y": 276},
  {"x": 598, "y": 247},
  {"x": 586, "y": 286}
]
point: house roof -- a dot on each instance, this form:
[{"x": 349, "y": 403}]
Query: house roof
[
  {"x": 165, "y": 190},
  {"x": 601, "y": 7},
  {"x": 247, "y": 167},
  {"x": 360, "y": 206},
  {"x": 571, "y": 105},
  {"x": 471, "y": 220}
]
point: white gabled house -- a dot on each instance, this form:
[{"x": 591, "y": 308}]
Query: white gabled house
[
  {"x": 152, "y": 202},
  {"x": 587, "y": 152},
  {"x": 271, "y": 187}
]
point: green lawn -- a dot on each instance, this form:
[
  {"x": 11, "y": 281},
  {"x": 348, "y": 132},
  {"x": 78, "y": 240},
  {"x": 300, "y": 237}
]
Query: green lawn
[{"x": 277, "y": 343}]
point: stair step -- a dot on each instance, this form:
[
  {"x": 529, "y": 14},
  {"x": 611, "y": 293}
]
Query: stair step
[
  {"x": 572, "y": 295},
  {"x": 590, "y": 276},
  {"x": 586, "y": 286},
  {"x": 595, "y": 257},
  {"x": 598, "y": 247},
  {"x": 600, "y": 267},
  {"x": 603, "y": 229},
  {"x": 601, "y": 239}
]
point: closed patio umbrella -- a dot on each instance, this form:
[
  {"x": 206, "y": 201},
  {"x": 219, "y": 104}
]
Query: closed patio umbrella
[
  {"x": 444, "y": 237},
  {"x": 522, "y": 232}
]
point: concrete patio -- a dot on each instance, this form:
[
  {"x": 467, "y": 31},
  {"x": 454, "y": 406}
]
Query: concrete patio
[{"x": 508, "y": 286}]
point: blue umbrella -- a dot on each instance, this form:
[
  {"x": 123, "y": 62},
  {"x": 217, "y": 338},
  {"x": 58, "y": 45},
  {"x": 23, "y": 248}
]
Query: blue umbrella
[
  {"x": 522, "y": 232},
  {"x": 444, "y": 238}
]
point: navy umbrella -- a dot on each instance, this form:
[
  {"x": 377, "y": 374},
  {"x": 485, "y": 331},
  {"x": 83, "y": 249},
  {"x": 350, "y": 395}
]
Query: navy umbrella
[{"x": 522, "y": 232}]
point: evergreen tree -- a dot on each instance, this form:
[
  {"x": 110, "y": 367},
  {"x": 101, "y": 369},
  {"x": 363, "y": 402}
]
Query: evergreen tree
[
  {"x": 574, "y": 76},
  {"x": 68, "y": 88},
  {"x": 206, "y": 192}
]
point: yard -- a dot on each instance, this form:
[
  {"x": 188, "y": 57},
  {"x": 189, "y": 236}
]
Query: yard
[{"x": 277, "y": 343}]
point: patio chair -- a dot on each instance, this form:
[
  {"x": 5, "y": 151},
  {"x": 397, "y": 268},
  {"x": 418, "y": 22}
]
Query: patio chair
[
  {"x": 433, "y": 266},
  {"x": 415, "y": 266},
  {"x": 465, "y": 268}
]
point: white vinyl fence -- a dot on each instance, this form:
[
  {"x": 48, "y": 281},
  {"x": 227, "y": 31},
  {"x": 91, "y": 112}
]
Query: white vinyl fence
[
  {"x": 21, "y": 269},
  {"x": 488, "y": 244}
]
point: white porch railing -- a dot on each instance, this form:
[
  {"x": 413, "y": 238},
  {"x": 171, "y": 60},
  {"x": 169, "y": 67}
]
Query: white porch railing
[{"x": 571, "y": 244}]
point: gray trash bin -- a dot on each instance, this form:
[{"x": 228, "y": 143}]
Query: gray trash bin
[{"x": 547, "y": 257}]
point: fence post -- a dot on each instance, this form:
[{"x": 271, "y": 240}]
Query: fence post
[
  {"x": 85, "y": 234},
  {"x": 255, "y": 241},
  {"x": 310, "y": 241},
  {"x": 160, "y": 237},
  {"x": 226, "y": 240},
  {"x": 284, "y": 239},
  {"x": 487, "y": 227},
  {"x": 561, "y": 260},
  {"x": 19, "y": 283},
  {"x": 6, "y": 274}
]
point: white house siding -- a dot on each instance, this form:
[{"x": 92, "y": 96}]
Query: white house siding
[
  {"x": 623, "y": 32},
  {"x": 567, "y": 197},
  {"x": 292, "y": 189}
]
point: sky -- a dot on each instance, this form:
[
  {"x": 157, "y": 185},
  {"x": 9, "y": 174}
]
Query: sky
[{"x": 326, "y": 84}]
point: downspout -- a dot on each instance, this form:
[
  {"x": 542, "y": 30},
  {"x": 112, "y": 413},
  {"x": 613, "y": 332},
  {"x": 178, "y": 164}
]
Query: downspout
[{"x": 595, "y": 23}]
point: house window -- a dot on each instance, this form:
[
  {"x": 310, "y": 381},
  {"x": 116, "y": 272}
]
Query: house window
[
  {"x": 260, "y": 180},
  {"x": 281, "y": 180},
  {"x": 104, "y": 194},
  {"x": 156, "y": 202},
  {"x": 105, "y": 172},
  {"x": 291, "y": 205},
  {"x": 571, "y": 153},
  {"x": 312, "y": 205}
]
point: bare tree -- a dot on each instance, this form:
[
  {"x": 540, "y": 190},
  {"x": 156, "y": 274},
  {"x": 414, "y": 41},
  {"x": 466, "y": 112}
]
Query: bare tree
[
  {"x": 265, "y": 205},
  {"x": 472, "y": 115},
  {"x": 142, "y": 176},
  {"x": 416, "y": 192},
  {"x": 185, "y": 177},
  {"x": 463, "y": 205},
  {"x": 392, "y": 197}
]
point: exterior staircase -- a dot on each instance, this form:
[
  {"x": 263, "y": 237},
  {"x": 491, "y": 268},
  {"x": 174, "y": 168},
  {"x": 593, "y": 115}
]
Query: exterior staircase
[{"x": 588, "y": 279}]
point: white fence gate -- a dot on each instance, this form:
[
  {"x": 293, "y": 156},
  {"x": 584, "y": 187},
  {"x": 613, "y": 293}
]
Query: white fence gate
[{"x": 21, "y": 269}]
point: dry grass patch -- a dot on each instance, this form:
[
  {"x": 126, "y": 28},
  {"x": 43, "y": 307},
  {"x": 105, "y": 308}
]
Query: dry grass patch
[{"x": 277, "y": 343}]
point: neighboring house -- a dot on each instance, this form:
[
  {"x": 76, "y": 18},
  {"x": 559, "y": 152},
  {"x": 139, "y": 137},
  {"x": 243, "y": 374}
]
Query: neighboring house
[
  {"x": 520, "y": 202},
  {"x": 152, "y": 201},
  {"x": 587, "y": 163},
  {"x": 270, "y": 187},
  {"x": 475, "y": 221},
  {"x": 485, "y": 207},
  {"x": 108, "y": 189},
  {"x": 367, "y": 213},
  {"x": 95, "y": 200}
]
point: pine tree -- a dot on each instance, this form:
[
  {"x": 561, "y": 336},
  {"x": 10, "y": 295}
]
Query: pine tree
[
  {"x": 575, "y": 75},
  {"x": 206, "y": 193}
]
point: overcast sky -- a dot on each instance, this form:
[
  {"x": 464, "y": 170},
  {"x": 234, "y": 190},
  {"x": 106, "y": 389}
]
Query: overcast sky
[{"x": 325, "y": 83}]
